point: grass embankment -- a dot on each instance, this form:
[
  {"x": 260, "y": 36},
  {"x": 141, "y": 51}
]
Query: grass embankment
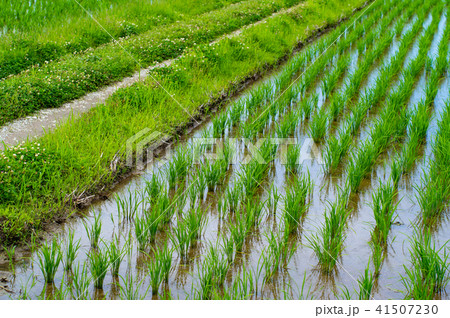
[
  {"x": 41, "y": 179},
  {"x": 40, "y": 31},
  {"x": 50, "y": 85}
]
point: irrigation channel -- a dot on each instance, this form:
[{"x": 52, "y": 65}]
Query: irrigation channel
[{"x": 313, "y": 193}]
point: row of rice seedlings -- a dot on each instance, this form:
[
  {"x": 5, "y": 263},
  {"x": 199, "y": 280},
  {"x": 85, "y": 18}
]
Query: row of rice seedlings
[
  {"x": 295, "y": 205},
  {"x": 420, "y": 119},
  {"x": 428, "y": 273},
  {"x": 339, "y": 99},
  {"x": 335, "y": 148},
  {"x": 257, "y": 124},
  {"x": 329, "y": 242},
  {"x": 434, "y": 192},
  {"x": 394, "y": 118},
  {"x": 384, "y": 208}
]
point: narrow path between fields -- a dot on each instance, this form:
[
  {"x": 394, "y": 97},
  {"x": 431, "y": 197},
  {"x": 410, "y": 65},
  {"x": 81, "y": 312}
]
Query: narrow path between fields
[{"x": 46, "y": 119}]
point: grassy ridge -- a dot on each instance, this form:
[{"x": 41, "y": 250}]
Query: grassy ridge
[
  {"x": 45, "y": 30},
  {"x": 76, "y": 74},
  {"x": 75, "y": 159}
]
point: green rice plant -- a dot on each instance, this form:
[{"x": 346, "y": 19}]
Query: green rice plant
[
  {"x": 94, "y": 231},
  {"x": 213, "y": 173},
  {"x": 336, "y": 149},
  {"x": 277, "y": 253},
  {"x": 141, "y": 232},
  {"x": 193, "y": 194},
  {"x": 292, "y": 159},
  {"x": 295, "y": 205},
  {"x": 318, "y": 126},
  {"x": 163, "y": 255},
  {"x": 11, "y": 253},
  {"x": 98, "y": 264},
  {"x": 155, "y": 274},
  {"x": 238, "y": 230},
  {"x": 128, "y": 205},
  {"x": 360, "y": 163},
  {"x": 307, "y": 106},
  {"x": 378, "y": 257},
  {"x": 273, "y": 198},
  {"x": 331, "y": 79},
  {"x": 432, "y": 194},
  {"x": 50, "y": 257},
  {"x": 130, "y": 288},
  {"x": 236, "y": 112},
  {"x": 328, "y": 244},
  {"x": 383, "y": 210},
  {"x": 396, "y": 171},
  {"x": 365, "y": 284},
  {"x": 222, "y": 207},
  {"x": 178, "y": 167},
  {"x": 153, "y": 188},
  {"x": 212, "y": 273},
  {"x": 181, "y": 237},
  {"x": 234, "y": 196},
  {"x": 24, "y": 293},
  {"x": 219, "y": 124},
  {"x": 337, "y": 104},
  {"x": 429, "y": 271},
  {"x": 79, "y": 288},
  {"x": 228, "y": 247},
  {"x": 253, "y": 213},
  {"x": 287, "y": 126},
  {"x": 196, "y": 222},
  {"x": 71, "y": 251},
  {"x": 115, "y": 255},
  {"x": 161, "y": 213}
]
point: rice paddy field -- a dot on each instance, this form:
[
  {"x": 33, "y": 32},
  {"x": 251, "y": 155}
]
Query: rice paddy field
[{"x": 289, "y": 150}]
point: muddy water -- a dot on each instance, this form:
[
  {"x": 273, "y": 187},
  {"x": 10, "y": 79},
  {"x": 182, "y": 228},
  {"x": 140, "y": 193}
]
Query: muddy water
[{"x": 288, "y": 283}]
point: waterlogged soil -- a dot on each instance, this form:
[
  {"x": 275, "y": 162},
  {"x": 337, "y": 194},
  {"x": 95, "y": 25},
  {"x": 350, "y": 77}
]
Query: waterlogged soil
[{"x": 301, "y": 278}]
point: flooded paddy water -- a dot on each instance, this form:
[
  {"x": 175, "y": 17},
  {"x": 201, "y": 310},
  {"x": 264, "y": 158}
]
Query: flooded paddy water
[{"x": 246, "y": 267}]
